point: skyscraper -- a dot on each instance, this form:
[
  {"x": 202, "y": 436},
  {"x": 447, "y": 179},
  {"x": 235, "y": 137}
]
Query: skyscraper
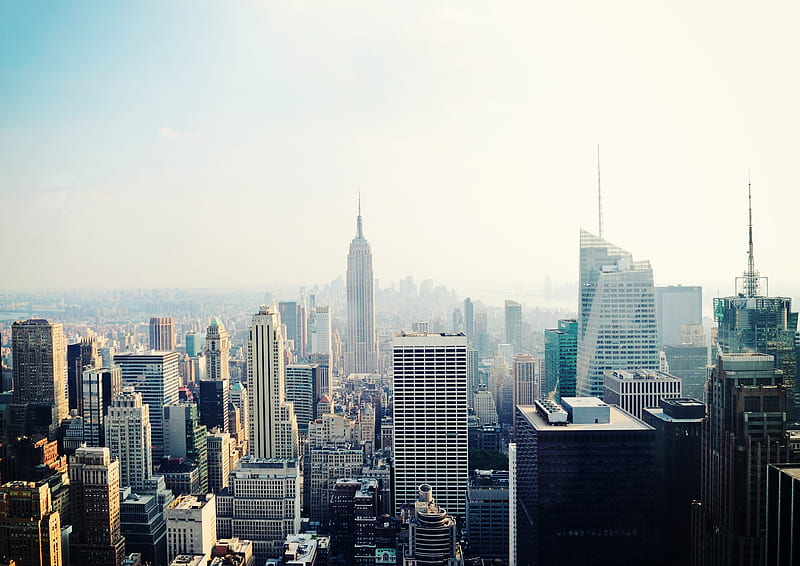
[
  {"x": 288, "y": 311},
  {"x": 100, "y": 385},
  {"x": 30, "y": 528},
  {"x": 523, "y": 373},
  {"x": 744, "y": 431},
  {"x": 80, "y": 355},
  {"x": 361, "y": 355},
  {"x": 560, "y": 355},
  {"x": 677, "y": 305},
  {"x": 430, "y": 378},
  {"x": 273, "y": 426},
  {"x": 185, "y": 437},
  {"x": 634, "y": 390},
  {"x": 155, "y": 375},
  {"x": 94, "y": 495},
  {"x": 432, "y": 539},
  {"x": 40, "y": 376},
  {"x": 513, "y": 315},
  {"x": 128, "y": 436},
  {"x": 162, "y": 333},
  {"x": 321, "y": 339},
  {"x": 617, "y": 324},
  {"x": 469, "y": 320},
  {"x": 218, "y": 348}
]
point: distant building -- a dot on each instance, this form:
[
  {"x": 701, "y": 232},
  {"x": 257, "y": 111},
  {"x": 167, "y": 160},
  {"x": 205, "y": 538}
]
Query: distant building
[
  {"x": 186, "y": 438},
  {"x": 635, "y": 390},
  {"x": 485, "y": 407},
  {"x": 513, "y": 320},
  {"x": 560, "y": 355},
  {"x": 162, "y": 334},
  {"x": 677, "y": 305},
  {"x": 100, "y": 385},
  {"x": 128, "y": 437},
  {"x": 487, "y": 509},
  {"x": 361, "y": 355},
  {"x": 81, "y": 355},
  {"x": 688, "y": 360},
  {"x": 523, "y": 373},
  {"x": 572, "y": 506},
  {"x": 194, "y": 343},
  {"x": 301, "y": 384}
]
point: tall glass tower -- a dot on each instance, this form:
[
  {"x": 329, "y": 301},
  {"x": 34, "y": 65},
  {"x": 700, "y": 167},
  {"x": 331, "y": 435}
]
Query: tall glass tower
[
  {"x": 617, "y": 324},
  {"x": 361, "y": 355}
]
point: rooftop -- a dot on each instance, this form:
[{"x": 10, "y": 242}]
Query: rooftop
[{"x": 619, "y": 419}]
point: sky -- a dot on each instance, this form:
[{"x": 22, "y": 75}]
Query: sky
[{"x": 202, "y": 144}]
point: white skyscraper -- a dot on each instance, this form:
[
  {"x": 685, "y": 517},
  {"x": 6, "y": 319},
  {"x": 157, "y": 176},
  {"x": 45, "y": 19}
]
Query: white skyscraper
[
  {"x": 273, "y": 426},
  {"x": 617, "y": 324},
  {"x": 361, "y": 355},
  {"x": 218, "y": 347},
  {"x": 430, "y": 417},
  {"x": 321, "y": 339},
  {"x": 128, "y": 436}
]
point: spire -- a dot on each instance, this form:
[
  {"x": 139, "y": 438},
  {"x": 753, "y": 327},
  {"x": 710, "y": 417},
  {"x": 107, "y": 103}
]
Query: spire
[
  {"x": 359, "y": 229},
  {"x": 751, "y": 276},
  {"x": 599, "y": 197}
]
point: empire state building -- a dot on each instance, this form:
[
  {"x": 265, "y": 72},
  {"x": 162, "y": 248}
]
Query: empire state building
[{"x": 361, "y": 355}]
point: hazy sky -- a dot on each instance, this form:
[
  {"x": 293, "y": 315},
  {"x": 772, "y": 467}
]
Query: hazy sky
[{"x": 173, "y": 144}]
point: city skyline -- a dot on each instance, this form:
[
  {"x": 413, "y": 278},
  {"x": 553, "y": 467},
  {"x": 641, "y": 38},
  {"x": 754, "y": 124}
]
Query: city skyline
[{"x": 457, "y": 107}]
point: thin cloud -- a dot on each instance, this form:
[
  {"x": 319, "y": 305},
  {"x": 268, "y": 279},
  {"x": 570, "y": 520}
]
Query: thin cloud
[{"x": 177, "y": 135}]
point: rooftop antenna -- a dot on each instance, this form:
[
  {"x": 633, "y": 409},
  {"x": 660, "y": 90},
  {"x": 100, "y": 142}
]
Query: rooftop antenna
[
  {"x": 751, "y": 279},
  {"x": 359, "y": 229},
  {"x": 599, "y": 196}
]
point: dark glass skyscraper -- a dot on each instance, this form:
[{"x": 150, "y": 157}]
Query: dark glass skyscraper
[{"x": 560, "y": 353}]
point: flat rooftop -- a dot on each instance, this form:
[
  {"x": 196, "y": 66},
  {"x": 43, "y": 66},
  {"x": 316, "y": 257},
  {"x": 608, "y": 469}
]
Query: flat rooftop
[{"x": 620, "y": 420}]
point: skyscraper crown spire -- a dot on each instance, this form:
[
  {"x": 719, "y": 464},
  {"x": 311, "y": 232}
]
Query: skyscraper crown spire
[
  {"x": 359, "y": 228},
  {"x": 751, "y": 281},
  {"x": 599, "y": 197}
]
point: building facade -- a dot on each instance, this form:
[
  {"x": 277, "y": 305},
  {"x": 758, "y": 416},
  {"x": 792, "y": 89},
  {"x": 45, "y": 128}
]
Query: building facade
[
  {"x": 636, "y": 390},
  {"x": 162, "y": 334},
  {"x": 361, "y": 355},
  {"x": 128, "y": 436},
  {"x": 560, "y": 356}
]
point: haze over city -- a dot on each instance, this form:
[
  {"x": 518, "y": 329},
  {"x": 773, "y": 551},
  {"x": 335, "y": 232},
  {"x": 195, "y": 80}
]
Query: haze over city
[{"x": 192, "y": 144}]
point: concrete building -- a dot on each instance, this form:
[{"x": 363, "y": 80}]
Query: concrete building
[
  {"x": 361, "y": 354},
  {"x": 783, "y": 508},
  {"x": 217, "y": 351},
  {"x": 191, "y": 525},
  {"x": 39, "y": 398},
  {"x": 432, "y": 538},
  {"x": 430, "y": 417},
  {"x": 128, "y": 436},
  {"x": 94, "y": 496},
  {"x": 30, "y": 528},
  {"x": 81, "y": 355},
  {"x": 584, "y": 484},
  {"x": 617, "y": 323},
  {"x": 186, "y": 438},
  {"x": 222, "y": 458},
  {"x": 100, "y": 385},
  {"x": 487, "y": 508},
  {"x": 635, "y": 390},
  {"x": 261, "y": 504},
  {"x": 301, "y": 383},
  {"x": 143, "y": 525},
  {"x": 162, "y": 334},
  {"x": 513, "y": 320},
  {"x": 485, "y": 407},
  {"x": 677, "y": 305},
  {"x": 232, "y": 552},
  {"x": 688, "y": 360},
  {"x": 321, "y": 337},
  {"x": 525, "y": 382},
  {"x": 155, "y": 375},
  {"x": 273, "y": 426}
]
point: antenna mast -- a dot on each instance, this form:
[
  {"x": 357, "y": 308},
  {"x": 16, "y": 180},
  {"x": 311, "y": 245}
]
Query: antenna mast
[
  {"x": 599, "y": 196},
  {"x": 751, "y": 279}
]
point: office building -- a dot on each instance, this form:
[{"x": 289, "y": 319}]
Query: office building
[
  {"x": 584, "y": 484},
  {"x": 354, "y": 507},
  {"x": 560, "y": 356},
  {"x": 154, "y": 375},
  {"x": 143, "y": 526},
  {"x": 487, "y": 508},
  {"x": 186, "y": 438},
  {"x": 678, "y": 424},
  {"x": 469, "y": 320},
  {"x": 677, "y": 305},
  {"x": 94, "y": 496},
  {"x": 636, "y": 390},
  {"x": 39, "y": 398},
  {"x": 688, "y": 360},
  {"x": 513, "y": 319},
  {"x": 261, "y": 504},
  {"x": 100, "y": 385},
  {"x": 482, "y": 334},
  {"x": 325, "y": 465},
  {"x": 193, "y": 343},
  {"x": 361, "y": 355},
  {"x": 162, "y": 334},
  {"x": 745, "y": 430},
  {"x": 301, "y": 384},
  {"x": 80, "y": 355},
  {"x": 222, "y": 458},
  {"x": 213, "y": 398},
  {"x": 30, "y": 527},
  {"x": 783, "y": 508},
  {"x": 525, "y": 383},
  {"x": 273, "y": 426},
  {"x": 617, "y": 324},
  {"x": 485, "y": 407},
  {"x": 128, "y": 436},
  {"x": 321, "y": 338},
  {"x": 430, "y": 378},
  {"x": 191, "y": 525},
  {"x": 232, "y": 552},
  {"x": 217, "y": 351},
  {"x": 289, "y": 318},
  {"x": 432, "y": 538}
]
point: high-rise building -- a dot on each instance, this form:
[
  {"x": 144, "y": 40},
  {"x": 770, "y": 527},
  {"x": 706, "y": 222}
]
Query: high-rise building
[
  {"x": 432, "y": 538},
  {"x": 636, "y": 390},
  {"x": 783, "y": 508},
  {"x": 30, "y": 528},
  {"x": 185, "y": 437},
  {"x": 513, "y": 315},
  {"x": 301, "y": 382},
  {"x": 288, "y": 313},
  {"x": 191, "y": 525},
  {"x": 584, "y": 484},
  {"x": 217, "y": 352},
  {"x": 39, "y": 399},
  {"x": 560, "y": 356},
  {"x": 321, "y": 338},
  {"x": 523, "y": 374},
  {"x": 430, "y": 378},
  {"x": 194, "y": 343},
  {"x": 80, "y": 355},
  {"x": 354, "y": 508},
  {"x": 361, "y": 355},
  {"x": 617, "y": 324},
  {"x": 688, "y": 359},
  {"x": 485, "y": 407},
  {"x": 212, "y": 401},
  {"x": 128, "y": 436},
  {"x": 155, "y": 375},
  {"x": 143, "y": 526},
  {"x": 261, "y": 504},
  {"x": 745, "y": 430},
  {"x": 677, "y": 305},
  {"x": 678, "y": 424},
  {"x": 162, "y": 334},
  {"x": 100, "y": 385},
  {"x": 469, "y": 320},
  {"x": 487, "y": 514},
  {"x": 482, "y": 334},
  {"x": 222, "y": 458},
  {"x": 94, "y": 495},
  {"x": 273, "y": 426}
]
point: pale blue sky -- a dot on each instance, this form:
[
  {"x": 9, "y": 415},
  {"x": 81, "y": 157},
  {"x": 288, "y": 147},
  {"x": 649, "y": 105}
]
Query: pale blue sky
[{"x": 167, "y": 144}]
